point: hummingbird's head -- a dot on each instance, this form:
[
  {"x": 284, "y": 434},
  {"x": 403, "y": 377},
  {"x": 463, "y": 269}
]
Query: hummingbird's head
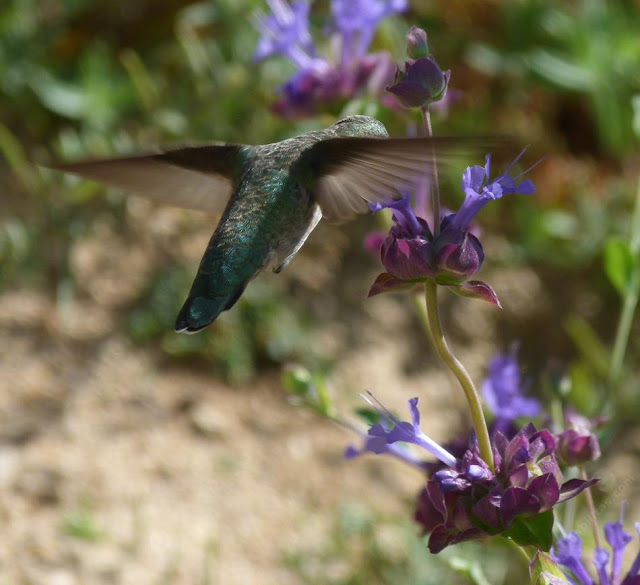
[{"x": 360, "y": 126}]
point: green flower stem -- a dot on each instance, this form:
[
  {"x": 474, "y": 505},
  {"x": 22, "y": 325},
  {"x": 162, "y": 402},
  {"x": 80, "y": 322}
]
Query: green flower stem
[
  {"x": 519, "y": 550},
  {"x": 458, "y": 370},
  {"x": 630, "y": 301},
  {"x": 592, "y": 509},
  {"x": 421, "y": 312},
  {"x": 435, "y": 189}
]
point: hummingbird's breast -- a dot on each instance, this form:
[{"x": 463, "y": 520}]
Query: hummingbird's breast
[{"x": 267, "y": 218}]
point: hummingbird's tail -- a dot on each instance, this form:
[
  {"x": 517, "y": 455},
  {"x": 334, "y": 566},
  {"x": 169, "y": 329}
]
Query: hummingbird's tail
[{"x": 200, "y": 311}]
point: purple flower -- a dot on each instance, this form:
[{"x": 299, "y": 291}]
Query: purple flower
[
  {"x": 470, "y": 502},
  {"x": 421, "y": 83},
  {"x": 502, "y": 389},
  {"x": 465, "y": 500},
  {"x": 286, "y": 31},
  {"x": 319, "y": 83},
  {"x": 479, "y": 190},
  {"x": 577, "y": 444},
  {"x": 357, "y": 20},
  {"x": 323, "y": 85},
  {"x": 382, "y": 436},
  {"x": 411, "y": 254},
  {"x": 568, "y": 553}
]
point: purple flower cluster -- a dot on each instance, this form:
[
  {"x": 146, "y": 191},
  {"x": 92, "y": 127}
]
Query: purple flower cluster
[
  {"x": 568, "y": 553},
  {"x": 464, "y": 499},
  {"x": 320, "y": 82},
  {"x": 411, "y": 254},
  {"x": 470, "y": 502}
]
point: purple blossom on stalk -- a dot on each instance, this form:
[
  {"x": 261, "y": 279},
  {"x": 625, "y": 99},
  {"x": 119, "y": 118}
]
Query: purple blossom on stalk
[
  {"x": 479, "y": 190},
  {"x": 412, "y": 255},
  {"x": 383, "y": 435},
  {"x": 421, "y": 82},
  {"x": 503, "y": 390},
  {"x": 515, "y": 502},
  {"x": 319, "y": 82},
  {"x": 568, "y": 553},
  {"x": 465, "y": 500}
]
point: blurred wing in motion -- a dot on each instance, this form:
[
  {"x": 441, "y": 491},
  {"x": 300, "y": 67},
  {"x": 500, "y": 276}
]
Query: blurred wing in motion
[
  {"x": 197, "y": 177},
  {"x": 349, "y": 172}
]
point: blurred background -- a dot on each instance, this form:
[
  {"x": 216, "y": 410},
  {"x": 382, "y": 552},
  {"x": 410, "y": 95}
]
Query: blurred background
[{"x": 131, "y": 454}]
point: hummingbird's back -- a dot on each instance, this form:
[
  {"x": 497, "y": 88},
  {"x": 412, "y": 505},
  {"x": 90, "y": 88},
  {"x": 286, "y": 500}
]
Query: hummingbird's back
[
  {"x": 264, "y": 222},
  {"x": 267, "y": 219}
]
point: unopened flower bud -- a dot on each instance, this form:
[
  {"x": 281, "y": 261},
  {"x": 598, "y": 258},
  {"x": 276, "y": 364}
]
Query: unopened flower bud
[
  {"x": 420, "y": 84},
  {"x": 455, "y": 263},
  {"x": 417, "y": 43},
  {"x": 577, "y": 444}
]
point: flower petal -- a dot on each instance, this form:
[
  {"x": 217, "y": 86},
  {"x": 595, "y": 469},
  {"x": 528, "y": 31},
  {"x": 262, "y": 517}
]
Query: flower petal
[
  {"x": 476, "y": 289},
  {"x": 573, "y": 487},
  {"x": 387, "y": 283},
  {"x": 516, "y": 501}
]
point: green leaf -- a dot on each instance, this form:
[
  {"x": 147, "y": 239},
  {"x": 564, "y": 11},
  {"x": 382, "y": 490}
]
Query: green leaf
[
  {"x": 561, "y": 71},
  {"x": 533, "y": 530},
  {"x": 594, "y": 352},
  {"x": 618, "y": 263},
  {"x": 368, "y": 415},
  {"x": 545, "y": 571}
]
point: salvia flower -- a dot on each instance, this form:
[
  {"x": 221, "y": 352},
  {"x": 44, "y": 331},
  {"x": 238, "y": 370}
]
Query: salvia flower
[
  {"x": 286, "y": 31},
  {"x": 503, "y": 389},
  {"x": 412, "y": 255},
  {"x": 421, "y": 82},
  {"x": 516, "y": 501},
  {"x": 607, "y": 563},
  {"x": 357, "y": 20},
  {"x": 479, "y": 189},
  {"x": 319, "y": 82},
  {"x": 383, "y": 435},
  {"x": 465, "y": 500}
]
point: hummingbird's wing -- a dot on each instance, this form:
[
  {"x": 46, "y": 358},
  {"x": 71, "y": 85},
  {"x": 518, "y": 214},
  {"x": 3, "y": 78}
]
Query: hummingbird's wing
[
  {"x": 349, "y": 172},
  {"x": 196, "y": 177}
]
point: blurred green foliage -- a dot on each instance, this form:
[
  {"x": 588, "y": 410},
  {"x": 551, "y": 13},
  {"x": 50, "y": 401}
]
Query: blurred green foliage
[
  {"x": 81, "y": 78},
  {"x": 590, "y": 48},
  {"x": 84, "y": 78}
]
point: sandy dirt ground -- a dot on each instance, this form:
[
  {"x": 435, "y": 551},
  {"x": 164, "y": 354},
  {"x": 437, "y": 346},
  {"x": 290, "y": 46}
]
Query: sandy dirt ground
[{"x": 119, "y": 467}]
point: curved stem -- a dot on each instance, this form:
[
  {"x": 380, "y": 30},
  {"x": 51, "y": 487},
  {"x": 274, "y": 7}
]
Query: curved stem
[
  {"x": 421, "y": 312},
  {"x": 592, "y": 510},
  {"x": 458, "y": 370}
]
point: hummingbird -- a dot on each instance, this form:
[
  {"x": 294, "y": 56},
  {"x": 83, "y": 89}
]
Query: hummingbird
[{"x": 270, "y": 197}]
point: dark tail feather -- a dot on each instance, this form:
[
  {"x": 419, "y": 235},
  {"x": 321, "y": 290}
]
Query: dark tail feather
[{"x": 198, "y": 312}]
